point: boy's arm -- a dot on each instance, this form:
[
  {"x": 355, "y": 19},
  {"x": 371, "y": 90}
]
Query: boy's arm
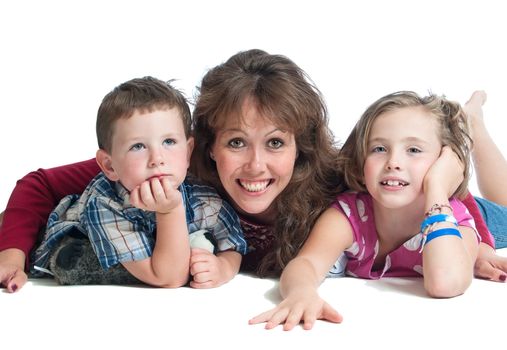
[
  {"x": 299, "y": 282},
  {"x": 168, "y": 266}
]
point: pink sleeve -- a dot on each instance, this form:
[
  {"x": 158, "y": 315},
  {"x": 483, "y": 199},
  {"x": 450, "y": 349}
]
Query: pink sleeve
[{"x": 35, "y": 196}]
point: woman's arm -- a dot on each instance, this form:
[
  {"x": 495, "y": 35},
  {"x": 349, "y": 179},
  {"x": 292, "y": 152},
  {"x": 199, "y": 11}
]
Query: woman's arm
[
  {"x": 299, "y": 282},
  {"x": 33, "y": 199}
]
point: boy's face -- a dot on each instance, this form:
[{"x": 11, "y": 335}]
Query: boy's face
[{"x": 148, "y": 145}]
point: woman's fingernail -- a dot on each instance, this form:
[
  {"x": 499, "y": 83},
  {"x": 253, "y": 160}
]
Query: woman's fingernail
[
  {"x": 503, "y": 277},
  {"x": 14, "y": 287}
]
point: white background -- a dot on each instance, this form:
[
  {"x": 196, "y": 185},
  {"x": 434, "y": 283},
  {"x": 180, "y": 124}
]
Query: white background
[{"x": 59, "y": 58}]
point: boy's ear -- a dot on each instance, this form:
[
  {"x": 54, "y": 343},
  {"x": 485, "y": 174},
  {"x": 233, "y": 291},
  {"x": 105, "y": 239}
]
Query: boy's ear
[
  {"x": 190, "y": 148},
  {"x": 105, "y": 163}
]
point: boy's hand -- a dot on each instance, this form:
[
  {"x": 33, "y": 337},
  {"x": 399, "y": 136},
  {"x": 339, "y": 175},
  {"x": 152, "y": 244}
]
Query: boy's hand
[
  {"x": 301, "y": 307},
  {"x": 207, "y": 270},
  {"x": 157, "y": 194}
]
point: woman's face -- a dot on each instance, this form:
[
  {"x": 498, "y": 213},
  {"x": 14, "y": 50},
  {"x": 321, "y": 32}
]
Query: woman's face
[{"x": 255, "y": 161}]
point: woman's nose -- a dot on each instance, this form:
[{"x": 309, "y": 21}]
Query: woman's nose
[{"x": 256, "y": 160}]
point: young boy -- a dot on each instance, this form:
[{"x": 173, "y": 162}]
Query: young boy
[{"x": 143, "y": 131}]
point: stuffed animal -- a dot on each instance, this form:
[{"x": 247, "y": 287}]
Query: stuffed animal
[{"x": 74, "y": 262}]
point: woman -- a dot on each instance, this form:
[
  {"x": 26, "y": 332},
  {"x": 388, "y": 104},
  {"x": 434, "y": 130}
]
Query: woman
[{"x": 263, "y": 142}]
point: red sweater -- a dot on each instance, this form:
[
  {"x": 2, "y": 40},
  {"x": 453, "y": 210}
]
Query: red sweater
[{"x": 38, "y": 193}]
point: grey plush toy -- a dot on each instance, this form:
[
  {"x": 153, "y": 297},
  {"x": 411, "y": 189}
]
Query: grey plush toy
[{"x": 74, "y": 262}]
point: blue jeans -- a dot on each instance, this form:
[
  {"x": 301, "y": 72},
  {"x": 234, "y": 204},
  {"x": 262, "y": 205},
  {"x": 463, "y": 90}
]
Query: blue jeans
[{"x": 495, "y": 216}]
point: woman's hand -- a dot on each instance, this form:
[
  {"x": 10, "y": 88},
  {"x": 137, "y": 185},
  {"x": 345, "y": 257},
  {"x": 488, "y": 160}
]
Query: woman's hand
[{"x": 302, "y": 306}]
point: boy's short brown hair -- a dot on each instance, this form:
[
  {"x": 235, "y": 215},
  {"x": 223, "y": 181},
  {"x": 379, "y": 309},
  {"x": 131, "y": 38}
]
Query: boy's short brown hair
[{"x": 140, "y": 94}]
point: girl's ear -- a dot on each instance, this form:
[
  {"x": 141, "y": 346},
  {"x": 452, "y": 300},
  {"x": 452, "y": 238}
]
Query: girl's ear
[{"x": 105, "y": 163}]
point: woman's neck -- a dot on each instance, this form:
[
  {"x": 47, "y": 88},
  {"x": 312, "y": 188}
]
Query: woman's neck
[{"x": 266, "y": 218}]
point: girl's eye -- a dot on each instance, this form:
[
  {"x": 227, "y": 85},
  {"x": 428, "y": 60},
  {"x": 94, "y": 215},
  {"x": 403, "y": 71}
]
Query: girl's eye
[
  {"x": 236, "y": 143},
  {"x": 379, "y": 149},
  {"x": 414, "y": 150},
  {"x": 137, "y": 147},
  {"x": 169, "y": 142},
  {"x": 275, "y": 143}
]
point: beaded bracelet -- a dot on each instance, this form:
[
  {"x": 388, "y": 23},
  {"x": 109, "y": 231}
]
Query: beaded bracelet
[
  {"x": 448, "y": 231},
  {"x": 437, "y": 209}
]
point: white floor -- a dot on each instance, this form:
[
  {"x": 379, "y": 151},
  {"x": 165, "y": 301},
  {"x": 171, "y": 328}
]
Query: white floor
[{"x": 390, "y": 313}]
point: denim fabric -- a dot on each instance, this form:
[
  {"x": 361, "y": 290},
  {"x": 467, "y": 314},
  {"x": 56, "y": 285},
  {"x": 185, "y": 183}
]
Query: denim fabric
[{"x": 495, "y": 216}]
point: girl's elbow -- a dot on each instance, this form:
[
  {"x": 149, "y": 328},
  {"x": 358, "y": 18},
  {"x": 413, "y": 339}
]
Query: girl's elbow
[{"x": 443, "y": 285}]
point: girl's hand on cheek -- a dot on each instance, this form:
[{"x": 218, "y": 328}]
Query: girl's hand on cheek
[{"x": 446, "y": 174}]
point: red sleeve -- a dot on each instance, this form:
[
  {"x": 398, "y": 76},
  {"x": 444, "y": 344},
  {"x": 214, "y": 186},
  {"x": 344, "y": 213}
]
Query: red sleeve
[
  {"x": 480, "y": 224},
  {"x": 35, "y": 196}
]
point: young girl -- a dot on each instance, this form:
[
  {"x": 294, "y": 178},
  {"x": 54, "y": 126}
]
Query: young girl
[{"x": 386, "y": 225}]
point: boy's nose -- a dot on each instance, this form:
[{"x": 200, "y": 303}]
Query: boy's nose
[{"x": 156, "y": 159}]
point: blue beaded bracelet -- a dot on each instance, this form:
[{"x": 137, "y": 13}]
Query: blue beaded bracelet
[
  {"x": 448, "y": 231},
  {"x": 430, "y": 220}
]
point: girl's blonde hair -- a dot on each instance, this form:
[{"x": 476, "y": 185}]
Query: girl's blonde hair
[{"x": 452, "y": 127}]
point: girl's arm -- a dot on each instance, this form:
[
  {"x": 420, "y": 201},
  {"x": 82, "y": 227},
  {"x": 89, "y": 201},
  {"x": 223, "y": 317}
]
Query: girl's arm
[
  {"x": 330, "y": 236},
  {"x": 448, "y": 262}
]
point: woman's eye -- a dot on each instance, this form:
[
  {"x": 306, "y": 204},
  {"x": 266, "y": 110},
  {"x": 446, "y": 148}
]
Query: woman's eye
[
  {"x": 168, "y": 142},
  {"x": 137, "y": 147},
  {"x": 236, "y": 143},
  {"x": 275, "y": 143}
]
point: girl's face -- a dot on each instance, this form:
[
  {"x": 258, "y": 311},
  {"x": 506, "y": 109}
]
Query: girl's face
[
  {"x": 402, "y": 146},
  {"x": 255, "y": 161}
]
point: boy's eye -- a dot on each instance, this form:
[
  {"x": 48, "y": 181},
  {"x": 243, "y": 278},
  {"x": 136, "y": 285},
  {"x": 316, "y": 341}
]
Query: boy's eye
[
  {"x": 137, "y": 147},
  {"x": 275, "y": 143},
  {"x": 414, "y": 150},
  {"x": 169, "y": 142},
  {"x": 236, "y": 143}
]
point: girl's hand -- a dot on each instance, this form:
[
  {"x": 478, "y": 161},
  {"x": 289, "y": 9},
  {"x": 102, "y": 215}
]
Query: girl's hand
[
  {"x": 157, "y": 194},
  {"x": 446, "y": 174},
  {"x": 489, "y": 265},
  {"x": 305, "y": 307}
]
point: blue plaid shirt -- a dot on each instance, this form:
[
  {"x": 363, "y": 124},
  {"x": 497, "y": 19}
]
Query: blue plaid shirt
[{"x": 120, "y": 232}]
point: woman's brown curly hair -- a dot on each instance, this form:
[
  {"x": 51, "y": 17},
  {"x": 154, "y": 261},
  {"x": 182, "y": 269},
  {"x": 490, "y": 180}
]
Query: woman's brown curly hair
[{"x": 282, "y": 91}]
